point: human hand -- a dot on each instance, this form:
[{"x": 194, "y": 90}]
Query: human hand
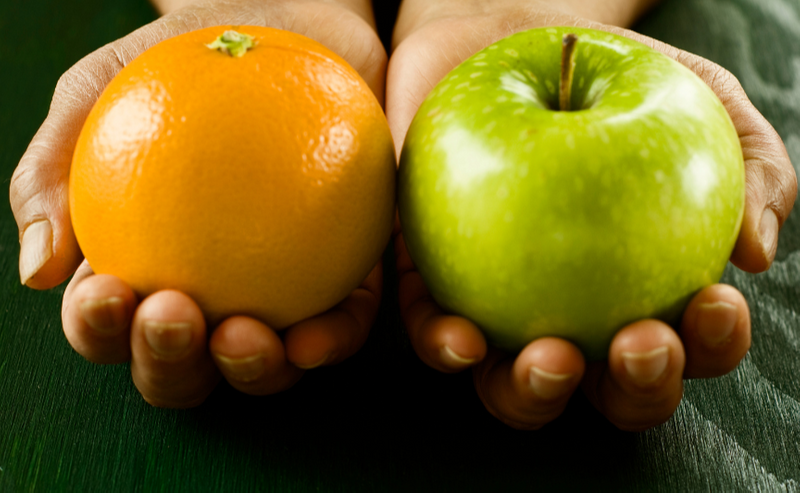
[
  {"x": 641, "y": 383},
  {"x": 173, "y": 362}
]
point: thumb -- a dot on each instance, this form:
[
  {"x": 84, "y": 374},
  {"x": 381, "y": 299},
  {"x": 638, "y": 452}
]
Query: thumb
[
  {"x": 39, "y": 191},
  {"x": 770, "y": 192},
  {"x": 771, "y": 183}
]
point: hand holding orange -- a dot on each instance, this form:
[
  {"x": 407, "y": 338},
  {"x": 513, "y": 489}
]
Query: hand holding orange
[{"x": 258, "y": 180}]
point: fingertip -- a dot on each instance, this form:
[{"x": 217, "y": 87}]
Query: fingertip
[
  {"x": 243, "y": 338},
  {"x": 106, "y": 303},
  {"x": 641, "y": 385},
  {"x": 553, "y": 355},
  {"x": 252, "y": 357},
  {"x": 337, "y": 334},
  {"x": 316, "y": 342},
  {"x": 715, "y": 331},
  {"x": 451, "y": 344},
  {"x": 170, "y": 364},
  {"x": 97, "y": 317},
  {"x": 757, "y": 242},
  {"x": 453, "y": 358},
  {"x": 646, "y": 355},
  {"x": 446, "y": 343},
  {"x": 36, "y": 248},
  {"x": 532, "y": 389},
  {"x": 768, "y": 229},
  {"x": 171, "y": 324},
  {"x": 47, "y": 257},
  {"x": 550, "y": 367}
]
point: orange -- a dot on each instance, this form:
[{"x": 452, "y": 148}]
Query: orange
[{"x": 260, "y": 184}]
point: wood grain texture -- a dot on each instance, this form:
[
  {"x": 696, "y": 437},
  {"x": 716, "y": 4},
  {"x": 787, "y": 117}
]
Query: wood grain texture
[{"x": 383, "y": 421}]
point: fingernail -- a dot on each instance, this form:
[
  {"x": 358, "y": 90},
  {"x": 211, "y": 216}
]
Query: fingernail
[
  {"x": 715, "y": 322},
  {"x": 168, "y": 339},
  {"x": 548, "y": 385},
  {"x": 768, "y": 233},
  {"x": 36, "y": 248},
  {"x": 242, "y": 369},
  {"x": 321, "y": 362},
  {"x": 106, "y": 315},
  {"x": 453, "y": 359},
  {"x": 645, "y": 368}
]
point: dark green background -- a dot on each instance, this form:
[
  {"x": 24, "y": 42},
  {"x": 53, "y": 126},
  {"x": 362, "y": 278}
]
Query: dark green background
[{"x": 383, "y": 421}]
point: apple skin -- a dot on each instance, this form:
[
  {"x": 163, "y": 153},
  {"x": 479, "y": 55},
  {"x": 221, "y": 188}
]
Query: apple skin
[{"x": 535, "y": 222}]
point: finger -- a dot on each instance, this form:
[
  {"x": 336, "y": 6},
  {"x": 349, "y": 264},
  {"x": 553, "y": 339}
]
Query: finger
[
  {"x": 251, "y": 357},
  {"x": 171, "y": 364},
  {"x": 771, "y": 183},
  {"x": 715, "y": 331},
  {"x": 530, "y": 391},
  {"x": 96, "y": 316},
  {"x": 641, "y": 385},
  {"x": 444, "y": 342},
  {"x": 338, "y": 333}
]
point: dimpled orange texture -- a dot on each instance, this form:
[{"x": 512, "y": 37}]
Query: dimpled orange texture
[{"x": 260, "y": 185}]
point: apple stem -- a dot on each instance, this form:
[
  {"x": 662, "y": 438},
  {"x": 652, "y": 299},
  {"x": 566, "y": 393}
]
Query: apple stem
[{"x": 567, "y": 68}]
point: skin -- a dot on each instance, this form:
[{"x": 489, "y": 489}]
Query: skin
[
  {"x": 641, "y": 384},
  {"x": 105, "y": 323}
]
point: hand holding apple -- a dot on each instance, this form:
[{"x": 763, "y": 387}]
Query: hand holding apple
[
  {"x": 641, "y": 384},
  {"x": 535, "y": 206}
]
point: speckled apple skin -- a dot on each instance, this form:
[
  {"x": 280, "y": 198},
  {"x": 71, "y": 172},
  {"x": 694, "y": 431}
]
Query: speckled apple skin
[{"x": 533, "y": 222}]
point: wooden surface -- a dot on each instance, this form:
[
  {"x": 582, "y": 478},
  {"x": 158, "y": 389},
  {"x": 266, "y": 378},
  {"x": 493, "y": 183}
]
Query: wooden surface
[{"x": 383, "y": 421}]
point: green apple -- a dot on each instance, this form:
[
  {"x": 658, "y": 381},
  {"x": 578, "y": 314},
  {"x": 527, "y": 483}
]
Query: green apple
[{"x": 547, "y": 198}]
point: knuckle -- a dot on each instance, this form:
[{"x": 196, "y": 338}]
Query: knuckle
[
  {"x": 86, "y": 80},
  {"x": 78, "y": 84},
  {"x": 21, "y": 187},
  {"x": 722, "y": 81},
  {"x": 773, "y": 180},
  {"x": 27, "y": 191},
  {"x": 785, "y": 196},
  {"x": 786, "y": 179},
  {"x": 724, "y": 84}
]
